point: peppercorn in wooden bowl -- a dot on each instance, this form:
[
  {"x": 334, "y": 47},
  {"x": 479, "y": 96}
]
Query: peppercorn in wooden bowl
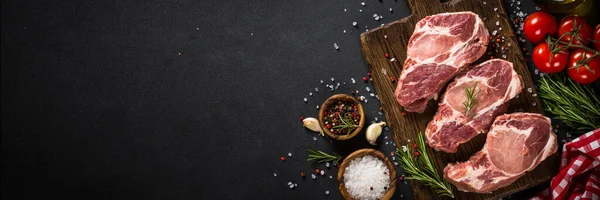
[
  {"x": 341, "y": 117},
  {"x": 389, "y": 189}
]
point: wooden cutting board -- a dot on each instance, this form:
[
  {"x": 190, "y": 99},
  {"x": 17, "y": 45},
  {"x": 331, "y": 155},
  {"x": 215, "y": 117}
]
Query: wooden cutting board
[{"x": 393, "y": 38}]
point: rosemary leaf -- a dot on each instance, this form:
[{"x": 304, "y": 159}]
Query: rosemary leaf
[
  {"x": 421, "y": 169},
  {"x": 576, "y": 105},
  {"x": 321, "y": 157}
]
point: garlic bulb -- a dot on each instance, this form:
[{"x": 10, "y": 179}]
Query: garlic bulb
[
  {"x": 312, "y": 124},
  {"x": 373, "y": 132}
]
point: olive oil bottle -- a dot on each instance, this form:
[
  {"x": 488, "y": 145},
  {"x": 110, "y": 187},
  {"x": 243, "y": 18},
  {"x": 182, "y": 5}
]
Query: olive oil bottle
[{"x": 586, "y": 8}]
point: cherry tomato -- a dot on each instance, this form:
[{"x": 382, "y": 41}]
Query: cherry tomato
[
  {"x": 538, "y": 25},
  {"x": 596, "y": 38},
  {"x": 541, "y": 58},
  {"x": 579, "y": 70},
  {"x": 577, "y": 24}
]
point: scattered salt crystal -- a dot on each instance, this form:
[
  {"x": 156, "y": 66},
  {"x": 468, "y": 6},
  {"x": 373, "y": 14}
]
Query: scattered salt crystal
[
  {"x": 375, "y": 119},
  {"x": 380, "y": 113},
  {"x": 327, "y": 164},
  {"x": 327, "y": 192},
  {"x": 386, "y": 143},
  {"x": 504, "y": 56},
  {"x": 497, "y": 23},
  {"x": 345, "y": 10},
  {"x": 385, "y": 36},
  {"x": 292, "y": 186},
  {"x": 313, "y": 176},
  {"x": 305, "y": 99},
  {"x": 533, "y": 104},
  {"x": 315, "y": 138},
  {"x": 367, "y": 89},
  {"x": 536, "y": 71},
  {"x": 538, "y": 8},
  {"x": 363, "y": 3},
  {"x": 372, "y": 95},
  {"x": 338, "y": 84},
  {"x": 353, "y": 81},
  {"x": 317, "y": 89},
  {"x": 310, "y": 93},
  {"x": 290, "y": 183},
  {"x": 322, "y": 172},
  {"x": 336, "y": 46},
  {"x": 317, "y": 106},
  {"x": 360, "y": 10},
  {"x": 383, "y": 71},
  {"x": 494, "y": 32},
  {"x": 500, "y": 28},
  {"x": 354, "y": 23},
  {"x": 392, "y": 59},
  {"x": 518, "y": 2},
  {"x": 404, "y": 148},
  {"x": 366, "y": 100},
  {"x": 332, "y": 79},
  {"x": 529, "y": 90},
  {"x": 495, "y": 9},
  {"x": 274, "y": 174},
  {"x": 365, "y": 173},
  {"x": 330, "y": 176},
  {"x": 344, "y": 31},
  {"x": 290, "y": 154},
  {"x": 321, "y": 81},
  {"x": 534, "y": 95},
  {"x": 396, "y": 163},
  {"x": 517, "y": 96},
  {"x": 484, "y": 3},
  {"x": 408, "y": 140},
  {"x": 391, "y": 10}
]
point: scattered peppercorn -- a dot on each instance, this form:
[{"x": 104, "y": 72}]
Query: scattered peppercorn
[
  {"x": 364, "y": 78},
  {"x": 387, "y": 55},
  {"x": 302, "y": 174},
  {"x": 282, "y": 158}
]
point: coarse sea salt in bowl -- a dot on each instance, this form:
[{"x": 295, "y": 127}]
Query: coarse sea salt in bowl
[{"x": 367, "y": 174}]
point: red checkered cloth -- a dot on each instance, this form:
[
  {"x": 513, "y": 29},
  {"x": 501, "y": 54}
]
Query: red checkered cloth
[{"x": 579, "y": 176}]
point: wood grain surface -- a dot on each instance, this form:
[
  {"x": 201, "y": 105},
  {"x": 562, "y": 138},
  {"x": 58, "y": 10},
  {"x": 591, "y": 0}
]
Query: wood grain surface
[{"x": 393, "y": 39}]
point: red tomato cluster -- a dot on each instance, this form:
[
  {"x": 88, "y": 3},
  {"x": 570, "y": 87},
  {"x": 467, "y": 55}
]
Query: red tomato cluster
[{"x": 552, "y": 55}]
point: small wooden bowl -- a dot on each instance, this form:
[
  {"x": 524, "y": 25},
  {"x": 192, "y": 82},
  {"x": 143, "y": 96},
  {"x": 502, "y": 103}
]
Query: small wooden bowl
[
  {"x": 365, "y": 152},
  {"x": 344, "y": 98}
]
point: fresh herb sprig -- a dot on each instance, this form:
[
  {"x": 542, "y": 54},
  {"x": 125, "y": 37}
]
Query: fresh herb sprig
[
  {"x": 471, "y": 98},
  {"x": 418, "y": 166},
  {"x": 321, "y": 157},
  {"x": 576, "y": 105},
  {"x": 347, "y": 124}
]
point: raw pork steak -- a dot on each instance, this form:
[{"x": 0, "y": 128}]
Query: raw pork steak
[
  {"x": 497, "y": 82},
  {"x": 440, "y": 46},
  {"x": 516, "y": 143}
]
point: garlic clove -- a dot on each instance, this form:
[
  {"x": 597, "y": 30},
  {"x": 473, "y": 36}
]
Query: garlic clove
[
  {"x": 373, "y": 132},
  {"x": 312, "y": 124}
]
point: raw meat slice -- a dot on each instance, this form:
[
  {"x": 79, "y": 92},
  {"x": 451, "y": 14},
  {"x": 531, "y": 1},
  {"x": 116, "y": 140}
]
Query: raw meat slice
[
  {"x": 440, "y": 46},
  {"x": 516, "y": 143},
  {"x": 497, "y": 82}
]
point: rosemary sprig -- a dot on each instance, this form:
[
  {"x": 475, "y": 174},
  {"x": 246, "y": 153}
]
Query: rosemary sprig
[
  {"x": 576, "y": 105},
  {"x": 346, "y": 124},
  {"x": 471, "y": 98},
  {"x": 419, "y": 168},
  {"x": 320, "y": 157}
]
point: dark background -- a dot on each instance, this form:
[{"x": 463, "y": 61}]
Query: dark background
[{"x": 178, "y": 99}]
